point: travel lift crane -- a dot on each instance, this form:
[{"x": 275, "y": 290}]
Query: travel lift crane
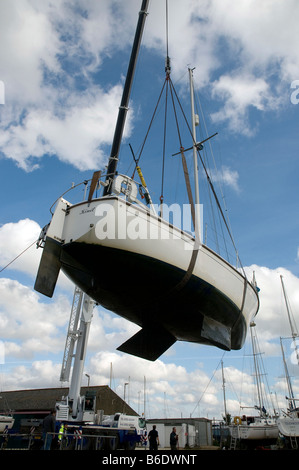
[
  {"x": 101, "y": 432},
  {"x": 75, "y": 407}
]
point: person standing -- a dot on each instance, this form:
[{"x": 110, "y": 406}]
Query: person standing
[
  {"x": 48, "y": 429},
  {"x": 153, "y": 438},
  {"x": 173, "y": 439}
]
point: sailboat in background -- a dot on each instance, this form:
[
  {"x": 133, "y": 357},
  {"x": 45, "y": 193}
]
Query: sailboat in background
[
  {"x": 288, "y": 424},
  {"x": 6, "y": 418},
  {"x": 128, "y": 257},
  {"x": 261, "y": 429}
]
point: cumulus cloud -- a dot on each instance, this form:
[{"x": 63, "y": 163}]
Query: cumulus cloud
[
  {"x": 240, "y": 94},
  {"x": 225, "y": 176},
  {"x": 37, "y": 375},
  {"x": 18, "y": 250},
  {"x": 34, "y": 337},
  {"x": 52, "y": 58},
  {"x": 33, "y": 329},
  {"x": 51, "y": 108},
  {"x": 74, "y": 136},
  {"x": 272, "y": 318},
  {"x": 16, "y": 238}
]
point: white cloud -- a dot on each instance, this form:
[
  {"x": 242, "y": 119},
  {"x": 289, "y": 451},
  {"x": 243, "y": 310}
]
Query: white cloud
[
  {"x": 44, "y": 111},
  {"x": 15, "y": 238},
  {"x": 225, "y": 176},
  {"x": 272, "y": 318},
  {"x": 34, "y": 333},
  {"x": 18, "y": 250},
  {"x": 240, "y": 93},
  {"x": 48, "y": 49},
  {"x": 39, "y": 374},
  {"x": 29, "y": 326}
]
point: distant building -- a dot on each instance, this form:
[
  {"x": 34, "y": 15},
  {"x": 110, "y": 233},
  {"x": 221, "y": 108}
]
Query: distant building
[{"x": 29, "y": 407}]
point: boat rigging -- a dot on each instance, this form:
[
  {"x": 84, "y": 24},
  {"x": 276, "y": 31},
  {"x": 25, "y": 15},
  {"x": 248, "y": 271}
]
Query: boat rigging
[{"x": 133, "y": 261}]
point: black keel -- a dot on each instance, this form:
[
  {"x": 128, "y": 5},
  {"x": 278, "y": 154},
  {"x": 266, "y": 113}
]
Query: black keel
[{"x": 149, "y": 343}]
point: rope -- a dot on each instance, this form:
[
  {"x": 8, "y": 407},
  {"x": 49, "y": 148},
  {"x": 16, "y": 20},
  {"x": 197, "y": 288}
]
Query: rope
[
  {"x": 203, "y": 393},
  {"x": 212, "y": 187},
  {"x": 18, "y": 256},
  {"x": 149, "y": 127}
]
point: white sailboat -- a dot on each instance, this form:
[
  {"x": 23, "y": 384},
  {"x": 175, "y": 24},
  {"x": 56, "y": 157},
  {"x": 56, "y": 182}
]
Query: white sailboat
[
  {"x": 288, "y": 423},
  {"x": 130, "y": 259},
  {"x": 261, "y": 429}
]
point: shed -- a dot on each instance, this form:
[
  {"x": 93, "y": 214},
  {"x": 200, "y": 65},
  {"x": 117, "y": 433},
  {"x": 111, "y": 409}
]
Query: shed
[{"x": 192, "y": 432}]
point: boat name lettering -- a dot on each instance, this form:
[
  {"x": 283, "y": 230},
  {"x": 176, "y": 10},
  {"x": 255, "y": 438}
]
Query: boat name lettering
[{"x": 86, "y": 211}]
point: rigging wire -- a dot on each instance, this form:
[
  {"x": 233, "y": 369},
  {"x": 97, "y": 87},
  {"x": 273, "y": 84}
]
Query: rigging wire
[
  {"x": 149, "y": 127},
  {"x": 203, "y": 393},
  {"x": 215, "y": 166},
  {"x": 213, "y": 216},
  {"x": 35, "y": 241},
  {"x": 213, "y": 189}
]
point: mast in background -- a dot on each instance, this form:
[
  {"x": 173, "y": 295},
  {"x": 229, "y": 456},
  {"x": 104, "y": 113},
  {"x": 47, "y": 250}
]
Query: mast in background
[
  {"x": 293, "y": 331},
  {"x": 195, "y": 123}
]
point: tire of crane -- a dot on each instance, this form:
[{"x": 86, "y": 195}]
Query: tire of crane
[
  {"x": 130, "y": 445},
  {"x": 100, "y": 443},
  {"x": 112, "y": 443}
]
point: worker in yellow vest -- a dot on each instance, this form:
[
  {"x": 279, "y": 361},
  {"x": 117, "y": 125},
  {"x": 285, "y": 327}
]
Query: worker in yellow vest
[{"x": 60, "y": 434}]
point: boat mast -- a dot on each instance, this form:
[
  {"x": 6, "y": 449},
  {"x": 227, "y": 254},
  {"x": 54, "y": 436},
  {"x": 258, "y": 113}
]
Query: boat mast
[
  {"x": 293, "y": 332},
  {"x": 123, "y": 109},
  {"x": 224, "y": 397},
  {"x": 289, "y": 383},
  {"x": 256, "y": 367},
  {"x": 195, "y": 161}
]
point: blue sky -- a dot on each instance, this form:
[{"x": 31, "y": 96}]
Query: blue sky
[{"x": 63, "y": 68}]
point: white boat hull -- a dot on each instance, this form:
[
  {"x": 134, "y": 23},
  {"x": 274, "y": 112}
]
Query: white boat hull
[
  {"x": 6, "y": 422},
  {"x": 254, "y": 432},
  {"x": 288, "y": 426},
  {"x": 190, "y": 292}
]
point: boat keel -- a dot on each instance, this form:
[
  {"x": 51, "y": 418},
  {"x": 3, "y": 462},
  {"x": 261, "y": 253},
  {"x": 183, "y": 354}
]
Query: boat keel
[{"x": 148, "y": 343}]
